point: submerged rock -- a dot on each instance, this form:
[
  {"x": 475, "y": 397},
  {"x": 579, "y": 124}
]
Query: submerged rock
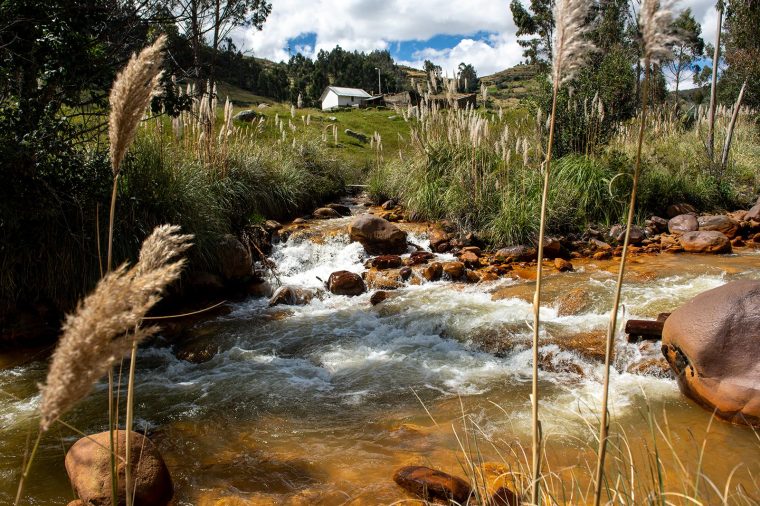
[
  {"x": 705, "y": 242},
  {"x": 378, "y": 297},
  {"x": 432, "y": 485},
  {"x": 377, "y": 235},
  {"x": 346, "y": 283},
  {"x": 291, "y": 296},
  {"x": 88, "y": 465},
  {"x": 712, "y": 343}
]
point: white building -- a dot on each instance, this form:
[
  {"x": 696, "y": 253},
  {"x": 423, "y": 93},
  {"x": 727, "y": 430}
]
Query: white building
[{"x": 334, "y": 97}]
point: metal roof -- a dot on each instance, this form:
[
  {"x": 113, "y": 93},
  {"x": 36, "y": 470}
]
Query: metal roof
[{"x": 347, "y": 92}]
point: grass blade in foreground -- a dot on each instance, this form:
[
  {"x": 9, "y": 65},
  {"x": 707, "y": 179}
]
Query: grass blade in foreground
[
  {"x": 655, "y": 21},
  {"x": 570, "y": 49}
]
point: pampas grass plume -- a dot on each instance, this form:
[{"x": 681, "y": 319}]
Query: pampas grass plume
[
  {"x": 132, "y": 90},
  {"x": 106, "y": 323},
  {"x": 571, "y": 44},
  {"x": 657, "y": 33}
]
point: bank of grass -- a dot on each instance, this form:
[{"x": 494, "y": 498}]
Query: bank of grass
[
  {"x": 487, "y": 177},
  {"x": 165, "y": 179}
]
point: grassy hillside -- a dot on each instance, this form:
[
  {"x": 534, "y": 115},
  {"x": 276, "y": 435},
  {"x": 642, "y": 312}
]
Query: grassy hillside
[{"x": 510, "y": 86}]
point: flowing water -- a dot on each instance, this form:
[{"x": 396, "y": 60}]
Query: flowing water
[{"x": 319, "y": 404}]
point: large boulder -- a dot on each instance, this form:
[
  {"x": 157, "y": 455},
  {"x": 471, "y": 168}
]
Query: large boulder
[
  {"x": 88, "y": 466},
  {"x": 433, "y": 485},
  {"x": 235, "y": 261},
  {"x": 378, "y": 236},
  {"x": 326, "y": 213},
  {"x": 753, "y": 214},
  {"x": 712, "y": 343},
  {"x": 683, "y": 223},
  {"x": 705, "y": 242},
  {"x": 346, "y": 283},
  {"x": 719, "y": 223}
]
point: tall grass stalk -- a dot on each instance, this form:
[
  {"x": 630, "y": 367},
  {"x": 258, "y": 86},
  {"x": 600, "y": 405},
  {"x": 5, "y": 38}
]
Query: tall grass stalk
[
  {"x": 657, "y": 38},
  {"x": 570, "y": 50},
  {"x": 132, "y": 90}
]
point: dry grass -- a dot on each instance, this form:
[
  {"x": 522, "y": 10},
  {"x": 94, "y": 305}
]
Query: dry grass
[{"x": 108, "y": 321}]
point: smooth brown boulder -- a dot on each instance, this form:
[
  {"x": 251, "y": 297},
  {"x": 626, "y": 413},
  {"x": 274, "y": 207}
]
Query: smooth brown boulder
[
  {"x": 712, "y": 343},
  {"x": 432, "y": 485},
  {"x": 705, "y": 242},
  {"x": 326, "y": 213},
  {"x": 377, "y": 235},
  {"x": 562, "y": 265},
  {"x": 88, "y": 466},
  {"x": 378, "y": 297},
  {"x": 386, "y": 262},
  {"x": 719, "y": 223},
  {"x": 341, "y": 209},
  {"x": 753, "y": 214},
  {"x": 420, "y": 257},
  {"x": 433, "y": 272},
  {"x": 683, "y": 223},
  {"x": 678, "y": 209},
  {"x": 454, "y": 270},
  {"x": 552, "y": 247},
  {"x": 438, "y": 237},
  {"x": 470, "y": 259},
  {"x": 516, "y": 254},
  {"x": 346, "y": 283}
]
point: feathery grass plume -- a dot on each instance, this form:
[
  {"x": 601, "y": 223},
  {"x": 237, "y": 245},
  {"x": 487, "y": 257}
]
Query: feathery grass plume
[
  {"x": 107, "y": 322},
  {"x": 571, "y": 43},
  {"x": 130, "y": 95},
  {"x": 655, "y": 21},
  {"x": 570, "y": 50}
]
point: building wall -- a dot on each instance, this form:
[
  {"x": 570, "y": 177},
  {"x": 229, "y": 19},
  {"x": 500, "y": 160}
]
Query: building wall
[{"x": 332, "y": 100}]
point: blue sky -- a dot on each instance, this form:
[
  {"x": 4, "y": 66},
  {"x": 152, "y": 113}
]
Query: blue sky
[{"x": 480, "y": 32}]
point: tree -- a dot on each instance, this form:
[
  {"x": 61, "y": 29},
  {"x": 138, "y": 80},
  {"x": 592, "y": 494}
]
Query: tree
[
  {"x": 468, "y": 81},
  {"x": 539, "y": 21},
  {"x": 217, "y": 18},
  {"x": 689, "y": 48},
  {"x": 742, "y": 53}
]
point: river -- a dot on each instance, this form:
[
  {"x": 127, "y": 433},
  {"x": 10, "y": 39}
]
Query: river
[{"x": 319, "y": 404}]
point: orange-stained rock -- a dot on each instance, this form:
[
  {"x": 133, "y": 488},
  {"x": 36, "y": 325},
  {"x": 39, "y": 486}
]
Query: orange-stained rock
[
  {"x": 432, "y": 485},
  {"x": 705, "y": 242},
  {"x": 576, "y": 301},
  {"x": 433, "y": 272},
  {"x": 562, "y": 265},
  {"x": 453, "y": 270},
  {"x": 719, "y": 223},
  {"x": 712, "y": 343}
]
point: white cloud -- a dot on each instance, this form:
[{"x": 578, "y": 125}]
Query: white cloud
[{"x": 365, "y": 25}]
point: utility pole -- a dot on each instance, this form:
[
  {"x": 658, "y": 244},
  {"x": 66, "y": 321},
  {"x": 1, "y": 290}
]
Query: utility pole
[{"x": 379, "y": 85}]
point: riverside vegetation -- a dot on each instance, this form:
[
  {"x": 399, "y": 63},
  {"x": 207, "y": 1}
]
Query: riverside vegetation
[{"x": 473, "y": 180}]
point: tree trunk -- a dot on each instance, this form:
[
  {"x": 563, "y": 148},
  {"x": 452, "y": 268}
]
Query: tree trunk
[
  {"x": 215, "y": 47},
  {"x": 730, "y": 133},
  {"x": 713, "y": 88}
]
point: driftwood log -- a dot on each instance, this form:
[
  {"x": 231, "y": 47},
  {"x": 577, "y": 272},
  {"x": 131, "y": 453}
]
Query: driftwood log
[{"x": 646, "y": 330}]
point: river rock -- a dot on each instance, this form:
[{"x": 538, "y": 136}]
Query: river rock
[
  {"x": 683, "y": 223},
  {"x": 346, "y": 283},
  {"x": 678, "y": 209},
  {"x": 713, "y": 344},
  {"x": 617, "y": 233},
  {"x": 657, "y": 224},
  {"x": 272, "y": 225},
  {"x": 705, "y": 242},
  {"x": 516, "y": 254},
  {"x": 562, "y": 265},
  {"x": 378, "y": 297},
  {"x": 433, "y": 272},
  {"x": 341, "y": 209},
  {"x": 88, "y": 466},
  {"x": 196, "y": 351},
  {"x": 325, "y": 213},
  {"x": 377, "y": 235},
  {"x": 454, "y": 270},
  {"x": 389, "y": 204},
  {"x": 719, "y": 223},
  {"x": 753, "y": 214},
  {"x": 386, "y": 262},
  {"x": 576, "y": 301},
  {"x": 235, "y": 261},
  {"x": 600, "y": 245},
  {"x": 470, "y": 259},
  {"x": 405, "y": 273},
  {"x": 552, "y": 247},
  {"x": 420, "y": 257},
  {"x": 389, "y": 279},
  {"x": 291, "y": 296},
  {"x": 438, "y": 237},
  {"x": 432, "y": 485}
]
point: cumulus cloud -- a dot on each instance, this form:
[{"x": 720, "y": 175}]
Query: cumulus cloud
[{"x": 366, "y": 25}]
